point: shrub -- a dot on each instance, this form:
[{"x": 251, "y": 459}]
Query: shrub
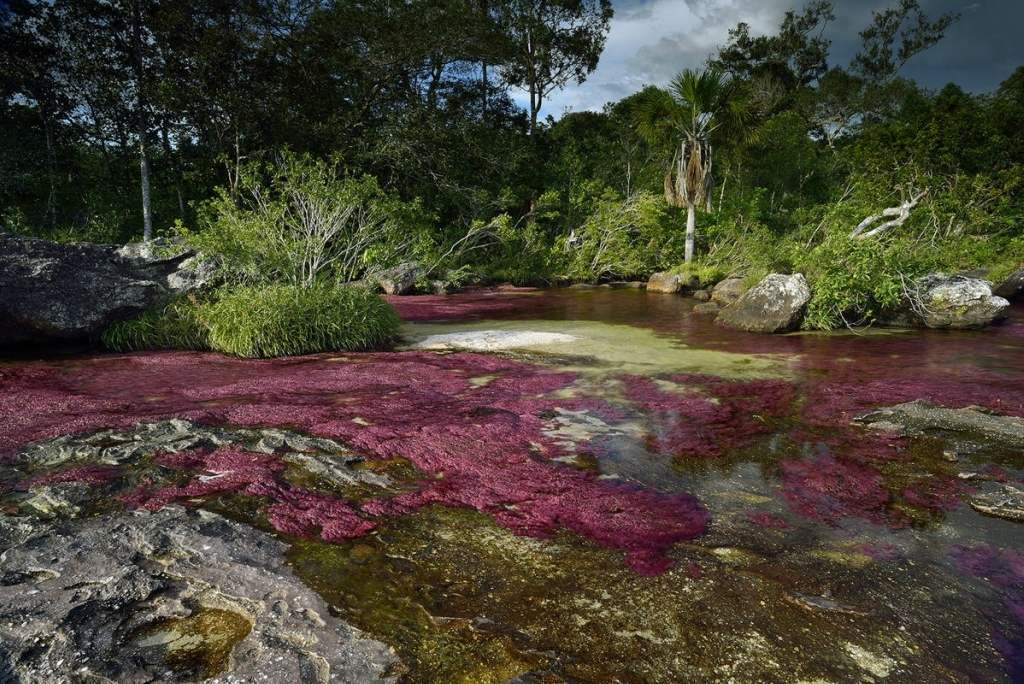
[
  {"x": 262, "y": 322},
  {"x": 299, "y": 221},
  {"x": 624, "y": 238},
  {"x": 286, "y": 320},
  {"x": 853, "y": 282}
]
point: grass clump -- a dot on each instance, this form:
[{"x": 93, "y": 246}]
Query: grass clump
[
  {"x": 263, "y": 322},
  {"x": 176, "y": 326},
  {"x": 286, "y": 320}
]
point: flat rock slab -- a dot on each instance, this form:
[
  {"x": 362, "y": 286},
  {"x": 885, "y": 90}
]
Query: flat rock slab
[
  {"x": 1000, "y": 500},
  {"x": 493, "y": 340},
  {"x": 174, "y": 595},
  {"x": 919, "y": 415}
]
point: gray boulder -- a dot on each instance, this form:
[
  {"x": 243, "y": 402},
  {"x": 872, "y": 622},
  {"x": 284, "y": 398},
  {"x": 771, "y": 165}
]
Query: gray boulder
[
  {"x": 774, "y": 305},
  {"x": 1012, "y": 286},
  {"x": 174, "y": 595},
  {"x": 665, "y": 283},
  {"x": 702, "y": 295},
  {"x": 59, "y": 293},
  {"x": 942, "y": 301},
  {"x": 728, "y": 291},
  {"x": 398, "y": 280}
]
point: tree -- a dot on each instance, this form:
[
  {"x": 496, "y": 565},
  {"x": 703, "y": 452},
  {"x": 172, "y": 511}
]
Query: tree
[
  {"x": 552, "y": 43},
  {"x": 894, "y": 36},
  {"x": 686, "y": 117},
  {"x": 796, "y": 57}
]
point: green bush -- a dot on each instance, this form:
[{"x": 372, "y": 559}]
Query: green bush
[
  {"x": 285, "y": 320},
  {"x": 262, "y": 322},
  {"x": 625, "y": 238},
  {"x": 853, "y": 282},
  {"x": 300, "y": 221}
]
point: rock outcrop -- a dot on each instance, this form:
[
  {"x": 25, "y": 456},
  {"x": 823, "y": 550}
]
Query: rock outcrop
[
  {"x": 665, "y": 283},
  {"x": 920, "y": 416},
  {"x": 942, "y": 301},
  {"x": 774, "y": 305},
  {"x": 398, "y": 280},
  {"x": 65, "y": 293},
  {"x": 728, "y": 291},
  {"x": 173, "y": 595},
  {"x": 1012, "y": 286}
]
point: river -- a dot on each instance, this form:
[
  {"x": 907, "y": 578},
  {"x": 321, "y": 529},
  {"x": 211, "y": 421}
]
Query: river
[{"x": 597, "y": 485}]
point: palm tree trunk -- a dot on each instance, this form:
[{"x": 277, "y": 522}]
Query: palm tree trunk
[{"x": 691, "y": 230}]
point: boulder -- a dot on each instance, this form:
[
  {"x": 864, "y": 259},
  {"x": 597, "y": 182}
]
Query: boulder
[
  {"x": 665, "y": 282},
  {"x": 728, "y": 291},
  {"x": 66, "y": 293},
  {"x": 1012, "y": 286},
  {"x": 706, "y": 309},
  {"x": 176, "y": 595},
  {"x": 774, "y": 305},
  {"x": 400, "y": 279},
  {"x": 942, "y": 301},
  {"x": 702, "y": 295}
]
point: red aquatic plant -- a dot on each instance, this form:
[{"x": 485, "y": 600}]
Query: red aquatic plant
[
  {"x": 482, "y": 447},
  {"x": 828, "y": 490},
  {"x": 707, "y": 416}
]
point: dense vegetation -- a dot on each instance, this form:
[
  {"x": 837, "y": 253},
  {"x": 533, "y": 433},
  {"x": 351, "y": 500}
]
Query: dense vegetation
[{"x": 312, "y": 143}]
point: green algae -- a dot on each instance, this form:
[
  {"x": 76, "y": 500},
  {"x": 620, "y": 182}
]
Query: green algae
[
  {"x": 196, "y": 646},
  {"x": 464, "y": 600},
  {"x": 600, "y": 348}
]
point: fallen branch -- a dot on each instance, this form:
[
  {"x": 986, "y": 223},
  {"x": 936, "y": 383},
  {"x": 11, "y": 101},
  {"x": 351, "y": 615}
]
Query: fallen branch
[{"x": 901, "y": 214}]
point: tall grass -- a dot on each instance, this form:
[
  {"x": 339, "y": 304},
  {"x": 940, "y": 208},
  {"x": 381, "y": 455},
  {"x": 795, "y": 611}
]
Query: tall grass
[
  {"x": 286, "y": 320},
  {"x": 264, "y": 322},
  {"x": 176, "y": 326}
]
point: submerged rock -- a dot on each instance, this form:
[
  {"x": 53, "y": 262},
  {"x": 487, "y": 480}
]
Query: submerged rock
[
  {"x": 1000, "y": 500},
  {"x": 493, "y": 340},
  {"x": 774, "y": 305},
  {"x": 171, "y": 596},
  {"x": 60, "y": 293},
  {"x": 707, "y": 309},
  {"x": 665, "y": 283},
  {"x": 979, "y": 424}
]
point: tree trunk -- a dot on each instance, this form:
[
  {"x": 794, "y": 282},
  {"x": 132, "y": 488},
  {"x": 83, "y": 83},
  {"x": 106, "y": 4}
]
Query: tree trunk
[
  {"x": 691, "y": 230},
  {"x": 51, "y": 170},
  {"x": 147, "y": 214},
  {"x": 140, "y": 115},
  {"x": 179, "y": 177}
]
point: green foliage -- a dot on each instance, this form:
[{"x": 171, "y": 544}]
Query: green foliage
[
  {"x": 299, "y": 221},
  {"x": 286, "y": 320},
  {"x": 853, "y": 282},
  {"x": 264, "y": 321},
  {"x": 625, "y": 238}
]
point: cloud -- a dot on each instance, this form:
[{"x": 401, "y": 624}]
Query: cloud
[{"x": 652, "y": 40}]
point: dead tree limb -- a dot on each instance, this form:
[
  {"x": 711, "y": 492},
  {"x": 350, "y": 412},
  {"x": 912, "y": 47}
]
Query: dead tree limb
[{"x": 898, "y": 216}]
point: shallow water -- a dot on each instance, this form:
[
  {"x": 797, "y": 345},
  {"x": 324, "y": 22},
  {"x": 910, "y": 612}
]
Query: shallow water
[{"x": 658, "y": 499}]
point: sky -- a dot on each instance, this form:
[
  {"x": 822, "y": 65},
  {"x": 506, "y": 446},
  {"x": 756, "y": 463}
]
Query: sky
[{"x": 652, "y": 40}]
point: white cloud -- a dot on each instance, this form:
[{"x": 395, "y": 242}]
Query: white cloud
[{"x": 651, "y": 41}]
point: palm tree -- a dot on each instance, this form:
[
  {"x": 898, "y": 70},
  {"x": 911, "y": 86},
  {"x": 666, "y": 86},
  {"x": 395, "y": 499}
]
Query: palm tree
[{"x": 683, "y": 120}]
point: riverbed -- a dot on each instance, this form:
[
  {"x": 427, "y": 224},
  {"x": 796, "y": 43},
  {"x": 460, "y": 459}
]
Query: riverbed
[{"x": 584, "y": 485}]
